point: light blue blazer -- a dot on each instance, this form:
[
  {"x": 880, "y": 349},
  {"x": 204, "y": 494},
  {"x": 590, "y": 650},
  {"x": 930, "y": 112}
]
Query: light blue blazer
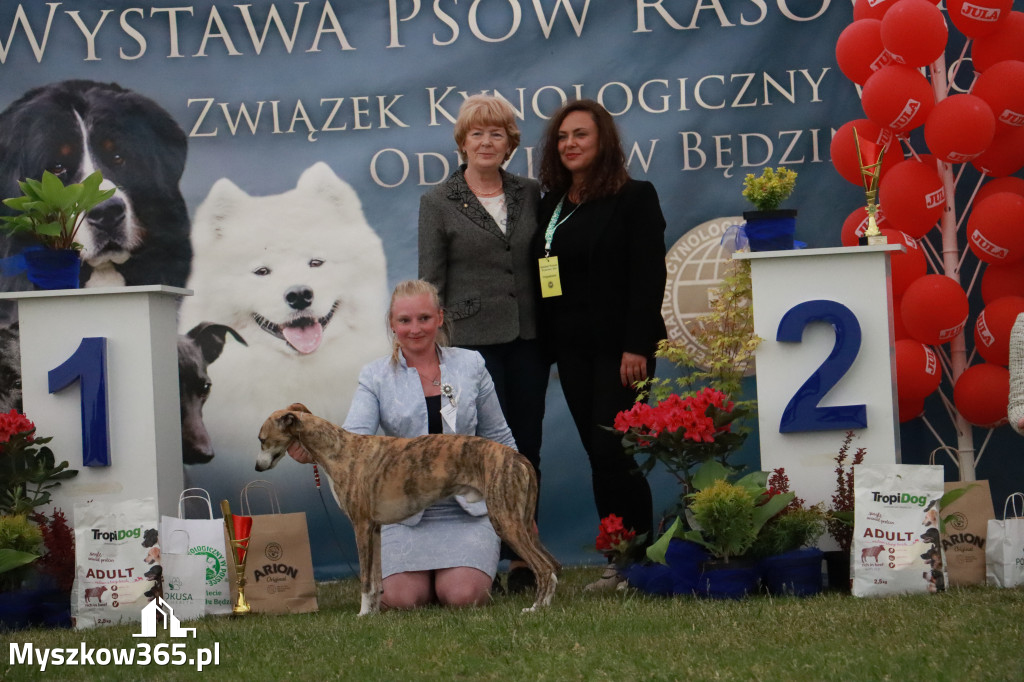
[{"x": 390, "y": 400}]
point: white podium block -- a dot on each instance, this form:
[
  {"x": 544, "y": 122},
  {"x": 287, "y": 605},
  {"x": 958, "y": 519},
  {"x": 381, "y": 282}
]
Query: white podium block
[
  {"x": 139, "y": 325},
  {"x": 826, "y": 365}
]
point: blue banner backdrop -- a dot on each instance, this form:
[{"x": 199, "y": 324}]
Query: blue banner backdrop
[{"x": 291, "y": 110}]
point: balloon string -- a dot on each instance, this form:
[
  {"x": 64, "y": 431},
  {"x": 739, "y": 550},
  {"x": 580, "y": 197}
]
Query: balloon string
[
  {"x": 981, "y": 450},
  {"x": 956, "y": 67},
  {"x": 974, "y": 277},
  {"x": 970, "y": 202}
]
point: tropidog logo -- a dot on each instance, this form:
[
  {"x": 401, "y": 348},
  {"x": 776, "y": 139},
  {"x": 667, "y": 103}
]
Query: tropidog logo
[{"x": 695, "y": 263}]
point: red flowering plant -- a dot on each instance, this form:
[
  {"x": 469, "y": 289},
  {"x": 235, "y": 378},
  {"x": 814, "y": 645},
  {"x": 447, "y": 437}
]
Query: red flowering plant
[
  {"x": 27, "y": 467},
  {"x": 682, "y": 432},
  {"x": 621, "y": 545},
  {"x": 840, "y": 514}
]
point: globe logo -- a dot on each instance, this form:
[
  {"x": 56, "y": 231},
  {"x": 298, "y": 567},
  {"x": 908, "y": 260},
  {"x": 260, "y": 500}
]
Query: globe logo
[{"x": 695, "y": 264}]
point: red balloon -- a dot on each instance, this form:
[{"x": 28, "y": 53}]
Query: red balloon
[
  {"x": 995, "y": 229},
  {"x": 1006, "y": 42},
  {"x": 992, "y": 329},
  {"x": 982, "y": 394},
  {"x": 1004, "y": 156},
  {"x": 918, "y": 371},
  {"x": 899, "y": 330},
  {"x": 859, "y": 50},
  {"x": 905, "y": 267},
  {"x": 871, "y": 9},
  {"x": 996, "y": 185},
  {"x": 1002, "y": 86},
  {"x": 910, "y": 409},
  {"x": 856, "y": 224},
  {"x": 913, "y": 197},
  {"x": 977, "y": 18},
  {"x": 898, "y": 97},
  {"x": 844, "y": 151},
  {"x": 934, "y": 309},
  {"x": 960, "y": 127},
  {"x": 1002, "y": 279},
  {"x": 914, "y": 32}
]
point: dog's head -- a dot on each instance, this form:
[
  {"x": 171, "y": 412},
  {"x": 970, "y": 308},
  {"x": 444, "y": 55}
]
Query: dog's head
[
  {"x": 196, "y": 350},
  {"x": 75, "y": 127},
  {"x": 297, "y": 268},
  {"x": 278, "y": 432},
  {"x": 150, "y": 537}
]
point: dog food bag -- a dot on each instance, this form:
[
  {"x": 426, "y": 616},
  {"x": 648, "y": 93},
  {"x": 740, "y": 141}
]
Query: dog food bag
[
  {"x": 963, "y": 543},
  {"x": 896, "y": 544},
  {"x": 117, "y": 561}
]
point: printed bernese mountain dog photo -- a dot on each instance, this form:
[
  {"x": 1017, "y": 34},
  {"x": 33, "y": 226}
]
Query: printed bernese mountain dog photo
[{"x": 71, "y": 128}]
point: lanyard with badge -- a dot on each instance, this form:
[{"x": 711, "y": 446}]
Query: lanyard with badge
[{"x": 550, "y": 284}]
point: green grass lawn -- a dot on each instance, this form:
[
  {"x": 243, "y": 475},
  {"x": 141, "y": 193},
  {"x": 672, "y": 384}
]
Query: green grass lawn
[{"x": 962, "y": 635}]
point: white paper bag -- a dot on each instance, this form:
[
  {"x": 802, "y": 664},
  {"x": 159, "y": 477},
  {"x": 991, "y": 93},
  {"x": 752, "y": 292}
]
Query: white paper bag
[
  {"x": 1004, "y": 551},
  {"x": 184, "y": 574},
  {"x": 206, "y": 540}
]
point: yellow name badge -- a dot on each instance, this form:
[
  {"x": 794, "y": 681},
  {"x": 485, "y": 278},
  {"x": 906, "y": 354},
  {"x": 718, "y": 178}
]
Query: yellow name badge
[{"x": 550, "y": 284}]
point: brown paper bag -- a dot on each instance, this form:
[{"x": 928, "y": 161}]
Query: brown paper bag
[
  {"x": 279, "y": 564},
  {"x": 966, "y": 533}
]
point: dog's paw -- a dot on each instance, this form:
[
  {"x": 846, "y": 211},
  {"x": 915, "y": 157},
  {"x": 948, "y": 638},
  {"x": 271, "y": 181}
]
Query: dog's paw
[{"x": 530, "y": 609}]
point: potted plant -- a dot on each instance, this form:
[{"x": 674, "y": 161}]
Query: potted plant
[
  {"x": 727, "y": 519},
  {"x": 769, "y": 227},
  {"x": 839, "y": 522},
  {"x": 788, "y": 560},
  {"x": 28, "y": 473},
  {"x": 51, "y": 213}
]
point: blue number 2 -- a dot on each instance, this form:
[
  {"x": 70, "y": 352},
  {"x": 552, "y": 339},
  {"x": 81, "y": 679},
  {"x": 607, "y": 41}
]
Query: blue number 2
[
  {"x": 88, "y": 364},
  {"x": 803, "y": 413}
]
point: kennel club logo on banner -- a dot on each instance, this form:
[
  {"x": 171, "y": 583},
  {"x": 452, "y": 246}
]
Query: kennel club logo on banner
[{"x": 226, "y": 126}]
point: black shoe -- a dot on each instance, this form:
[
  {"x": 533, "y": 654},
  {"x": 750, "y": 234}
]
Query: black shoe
[
  {"x": 521, "y": 579},
  {"x": 496, "y": 587}
]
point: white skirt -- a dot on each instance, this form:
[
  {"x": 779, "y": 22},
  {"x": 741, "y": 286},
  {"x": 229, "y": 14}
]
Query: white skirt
[{"x": 445, "y": 537}]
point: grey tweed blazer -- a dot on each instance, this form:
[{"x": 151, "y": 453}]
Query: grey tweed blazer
[{"x": 487, "y": 280}]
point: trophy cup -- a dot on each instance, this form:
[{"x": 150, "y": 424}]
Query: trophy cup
[
  {"x": 869, "y": 156},
  {"x": 239, "y": 530}
]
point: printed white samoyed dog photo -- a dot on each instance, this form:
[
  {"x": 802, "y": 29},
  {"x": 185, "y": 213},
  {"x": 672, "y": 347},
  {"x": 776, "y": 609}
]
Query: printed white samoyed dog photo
[{"x": 302, "y": 277}]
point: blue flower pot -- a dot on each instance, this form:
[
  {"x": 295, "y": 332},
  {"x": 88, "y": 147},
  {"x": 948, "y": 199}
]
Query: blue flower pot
[
  {"x": 685, "y": 559},
  {"x": 16, "y": 609},
  {"x": 770, "y": 230},
  {"x": 797, "y": 572},
  {"x": 728, "y": 580},
  {"x": 53, "y": 269},
  {"x": 650, "y": 578}
]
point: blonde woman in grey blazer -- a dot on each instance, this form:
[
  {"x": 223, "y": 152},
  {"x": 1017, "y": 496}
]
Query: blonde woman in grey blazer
[{"x": 475, "y": 231}]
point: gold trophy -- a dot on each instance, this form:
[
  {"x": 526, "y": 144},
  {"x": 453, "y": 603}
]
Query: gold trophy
[
  {"x": 238, "y": 525},
  {"x": 869, "y": 156}
]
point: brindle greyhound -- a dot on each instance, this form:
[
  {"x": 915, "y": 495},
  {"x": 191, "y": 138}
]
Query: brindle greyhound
[{"x": 379, "y": 479}]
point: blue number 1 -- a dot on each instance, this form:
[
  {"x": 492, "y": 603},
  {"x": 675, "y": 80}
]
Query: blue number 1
[
  {"x": 803, "y": 413},
  {"x": 88, "y": 364}
]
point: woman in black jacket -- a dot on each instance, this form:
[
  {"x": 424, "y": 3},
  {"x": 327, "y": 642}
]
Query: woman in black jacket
[{"x": 602, "y": 246}]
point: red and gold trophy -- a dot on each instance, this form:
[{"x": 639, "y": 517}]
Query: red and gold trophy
[
  {"x": 869, "y": 155},
  {"x": 239, "y": 531}
]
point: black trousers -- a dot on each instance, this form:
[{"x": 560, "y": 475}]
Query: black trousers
[
  {"x": 520, "y": 374},
  {"x": 595, "y": 394}
]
